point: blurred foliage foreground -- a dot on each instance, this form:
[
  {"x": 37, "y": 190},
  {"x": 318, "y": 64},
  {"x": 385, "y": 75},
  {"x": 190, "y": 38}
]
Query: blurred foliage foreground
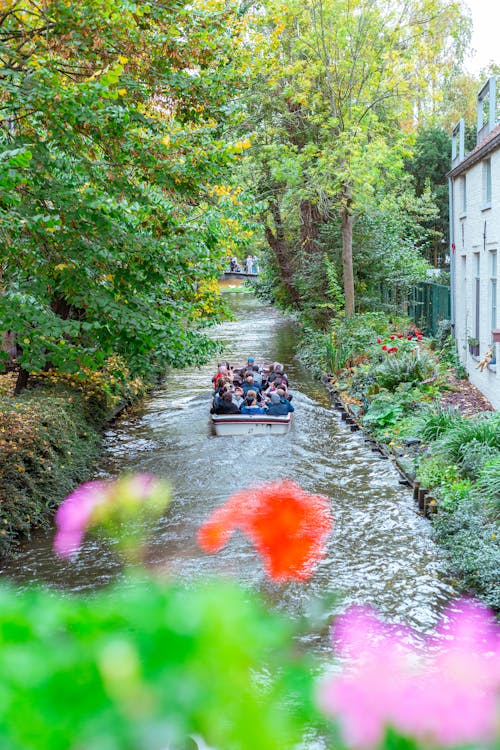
[{"x": 149, "y": 664}]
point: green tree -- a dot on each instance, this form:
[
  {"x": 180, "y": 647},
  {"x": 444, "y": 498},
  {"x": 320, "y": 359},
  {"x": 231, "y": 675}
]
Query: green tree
[
  {"x": 342, "y": 83},
  {"x": 115, "y": 136}
]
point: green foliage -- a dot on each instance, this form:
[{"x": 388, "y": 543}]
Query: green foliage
[
  {"x": 48, "y": 442},
  {"x": 384, "y": 411},
  {"x": 146, "y": 665},
  {"x": 474, "y": 456},
  {"x": 404, "y": 368},
  {"x": 429, "y": 166},
  {"x": 443, "y": 333},
  {"x": 334, "y": 290},
  {"x": 355, "y": 336},
  {"x": 434, "y": 472},
  {"x": 480, "y": 429},
  {"x": 435, "y": 421},
  {"x": 472, "y": 545},
  {"x": 314, "y": 351},
  {"x": 112, "y": 205},
  {"x": 488, "y": 481}
]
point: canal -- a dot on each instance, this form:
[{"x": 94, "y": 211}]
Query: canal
[{"x": 381, "y": 552}]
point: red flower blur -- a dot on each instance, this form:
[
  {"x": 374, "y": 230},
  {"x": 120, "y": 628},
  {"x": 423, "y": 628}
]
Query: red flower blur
[
  {"x": 379, "y": 340},
  {"x": 400, "y": 335},
  {"x": 384, "y": 348},
  {"x": 392, "y": 338},
  {"x": 287, "y": 525}
]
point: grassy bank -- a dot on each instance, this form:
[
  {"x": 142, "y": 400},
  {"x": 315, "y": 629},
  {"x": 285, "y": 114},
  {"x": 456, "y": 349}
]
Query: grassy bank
[
  {"x": 49, "y": 438},
  {"x": 406, "y": 391}
]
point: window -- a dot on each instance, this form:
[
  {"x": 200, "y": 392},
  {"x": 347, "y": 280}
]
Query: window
[
  {"x": 487, "y": 182},
  {"x": 493, "y": 289},
  {"x": 477, "y": 294},
  {"x": 462, "y": 187}
]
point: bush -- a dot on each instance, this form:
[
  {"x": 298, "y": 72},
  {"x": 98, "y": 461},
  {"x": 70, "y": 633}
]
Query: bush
[
  {"x": 474, "y": 455},
  {"x": 472, "y": 546},
  {"x": 488, "y": 481},
  {"x": 481, "y": 429},
  {"x": 406, "y": 368},
  {"x": 47, "y": 445},
  {"x": 434, "y": 472},
  {"x": 437, "y": 421}
]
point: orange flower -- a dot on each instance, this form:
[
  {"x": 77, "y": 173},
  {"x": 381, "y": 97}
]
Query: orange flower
[{"x": 287, "y": 525}]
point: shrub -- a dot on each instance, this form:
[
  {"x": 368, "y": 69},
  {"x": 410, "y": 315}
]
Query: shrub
[
  {"x": 434, "y": 472},
  {"x": 437, "y": 421},
  {"x": 488, "y": 482},
  {"x": 47, "y": 445},
  {"x": 407, "y": 368},
  {"x": 472, "y": 547},
  {"x": 482, "y": 429},
  {"x": 474, "y": 455},
  {"x": 443, "y": 333}
]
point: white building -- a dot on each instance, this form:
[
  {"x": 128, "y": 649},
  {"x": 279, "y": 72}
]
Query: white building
[{"x": 475, "y": 240}]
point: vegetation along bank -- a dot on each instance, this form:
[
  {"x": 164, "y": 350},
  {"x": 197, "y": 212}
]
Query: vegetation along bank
[{"x": 408, "y": 392}]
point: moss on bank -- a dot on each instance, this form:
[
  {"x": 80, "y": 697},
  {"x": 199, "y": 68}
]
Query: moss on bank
[{"x": 50, "y": 436}]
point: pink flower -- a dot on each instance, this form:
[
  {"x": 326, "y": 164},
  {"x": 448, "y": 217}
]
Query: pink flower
[
  {"x": 73, "y": 516},
  {"x": 450, "y": 697},
  {"x": 109, "y": 505},
  {"x": 363, "y": 695}
]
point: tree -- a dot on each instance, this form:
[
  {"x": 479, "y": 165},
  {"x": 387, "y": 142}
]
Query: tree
[
  {"x": 344, "y": 82},
  {"x": 114, "y": 145}
]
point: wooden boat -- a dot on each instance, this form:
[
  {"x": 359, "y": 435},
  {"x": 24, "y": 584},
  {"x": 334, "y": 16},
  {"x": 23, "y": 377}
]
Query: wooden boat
[{"x": 246, "y": 424}]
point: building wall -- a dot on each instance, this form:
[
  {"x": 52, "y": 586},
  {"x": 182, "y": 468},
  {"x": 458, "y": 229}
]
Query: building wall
[{"x": 477, "y": 244}]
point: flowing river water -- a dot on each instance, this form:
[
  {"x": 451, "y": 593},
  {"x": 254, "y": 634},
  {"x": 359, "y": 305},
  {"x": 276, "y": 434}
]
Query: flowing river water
[{"x": 381, "y": 551}]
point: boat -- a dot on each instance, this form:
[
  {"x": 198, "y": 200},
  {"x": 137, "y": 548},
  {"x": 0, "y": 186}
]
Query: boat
[
  {"x": 248, "y": 424},
  {"x": 239, "y": 275}
]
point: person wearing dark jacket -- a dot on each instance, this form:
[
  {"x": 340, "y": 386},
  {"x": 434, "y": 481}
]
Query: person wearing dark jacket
[
  {"x": 279, "y": 406},
  {"x": 226, "y": 405}
]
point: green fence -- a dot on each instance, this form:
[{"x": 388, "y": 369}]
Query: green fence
[{"x": 429, "y": 303}]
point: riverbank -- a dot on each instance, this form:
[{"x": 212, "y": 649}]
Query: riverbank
[
  {"x": 404, "y": 391},
  {"x": 50, "y": 437}
]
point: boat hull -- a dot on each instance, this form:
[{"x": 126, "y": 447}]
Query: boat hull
[{"x": 243, "y": 424}]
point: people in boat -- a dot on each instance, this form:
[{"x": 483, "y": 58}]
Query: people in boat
[
  {"x": 251, "y": 406},
  {"x": 257, "y": 375},
  {"x": 224, "y": 373},
  {"x": 277, "y": 371},
  {"x": 226, "y": 405},
  {"x": 279, "y": 406},
  {"x": 249, "y": 383},
  {"x": 238, "y": 396}
]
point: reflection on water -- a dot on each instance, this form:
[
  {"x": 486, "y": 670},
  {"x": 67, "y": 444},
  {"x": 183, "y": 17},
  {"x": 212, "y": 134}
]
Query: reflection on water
[{"x": 381, "y": 551}]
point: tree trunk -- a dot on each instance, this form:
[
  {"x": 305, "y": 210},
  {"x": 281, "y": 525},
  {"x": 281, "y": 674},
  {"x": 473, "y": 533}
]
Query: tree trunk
[
  {"x": 310, "y": 224},
  {"x": 279, "y": 245},
  {"x": 22, "y": 381},
  {"x": 347, "y": 263}
]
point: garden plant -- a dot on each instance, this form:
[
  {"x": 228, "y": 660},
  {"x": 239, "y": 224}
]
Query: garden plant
[{"x": 150, "y": 664}]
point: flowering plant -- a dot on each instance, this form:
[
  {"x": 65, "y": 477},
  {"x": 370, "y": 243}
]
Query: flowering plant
[{"x": 150, "y": 664}]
